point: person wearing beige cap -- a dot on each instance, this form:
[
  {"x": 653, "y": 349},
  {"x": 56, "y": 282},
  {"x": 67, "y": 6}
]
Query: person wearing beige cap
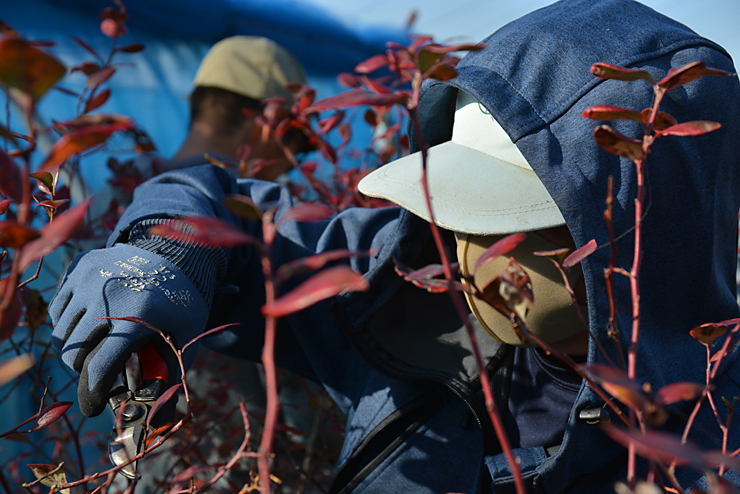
[{"x": 238, "y": 73}]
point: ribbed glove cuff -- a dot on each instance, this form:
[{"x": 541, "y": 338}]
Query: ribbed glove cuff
[{"x": 204, "y": 266}]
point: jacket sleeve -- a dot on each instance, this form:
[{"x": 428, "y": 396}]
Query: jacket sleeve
[{"x": 310, "y": 343}]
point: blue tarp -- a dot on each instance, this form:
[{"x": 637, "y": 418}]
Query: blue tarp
[{"x": 152, "y": 86}]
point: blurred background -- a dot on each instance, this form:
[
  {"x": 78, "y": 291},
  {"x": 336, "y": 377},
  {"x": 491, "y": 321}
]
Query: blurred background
[{"x": 327, "y": 36}]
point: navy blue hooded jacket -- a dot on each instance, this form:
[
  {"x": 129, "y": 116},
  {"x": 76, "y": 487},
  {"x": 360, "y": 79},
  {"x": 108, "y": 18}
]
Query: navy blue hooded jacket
[{"x": 395, "y": 357}]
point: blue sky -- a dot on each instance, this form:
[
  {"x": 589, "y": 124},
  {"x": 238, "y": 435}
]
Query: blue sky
[{"x": 718, "y": 20}]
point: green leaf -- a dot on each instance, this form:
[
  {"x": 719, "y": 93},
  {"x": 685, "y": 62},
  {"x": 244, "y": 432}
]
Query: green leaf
[
  {"x": 426, "y": 59},
  {"x": 243, "y": 206},
  {"x": 50, "y": 479},
  {"x": 45, "y": 181}
]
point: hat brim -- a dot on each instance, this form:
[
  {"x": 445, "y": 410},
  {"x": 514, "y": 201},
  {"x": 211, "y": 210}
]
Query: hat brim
[{"x": 471, "y": 192}]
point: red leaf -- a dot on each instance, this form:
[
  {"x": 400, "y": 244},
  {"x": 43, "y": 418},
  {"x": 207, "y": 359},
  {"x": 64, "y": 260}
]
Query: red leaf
[
  {"x": 86, "y": 47},
  {"x": 15, "y": 236},
  {"x": 668, "y": 448},
  {"x": 326, "y": 150},
  {"x": 378, "y": 85},
  {"x": 609, "y": 112},
  {"x": 371, "y": 117},
  {"x": 81, "y": 140},
  {"x": 707, "y": 333},
  {"x": 28, "y": 68},
  {"x": 307, "y": 99},
  {"x": 12, "y": 314},
  {"x": 357, "y": 97},
  {"x": 154, "y": 434},
  {"x": 416, "y": 44},
  {"x": 694, "y": 128},
  {"x": 321, "y": 286},
  {"x": 87, "y": 121},
  {"x": 99, "y": 77},
  {"x": 202, "y": 230},
  {"x": 618, "y": 384},
  {"x": 580, "y": 254},
  {"x": 52, "y": 206},
  {"x": 445, "y": 49},
  {"x": 607, "y": 71},
  {"x": 688, "y": 73},
  {"x": 306, "y": 212},
  {"x": 119, "y": 15},
  {"x": 131, "y": 48},
  {"x": 674, "y": 392},
  {"x": 348, "y": 80},
  {"x": 662, "y": 121},
  {"x": 54, "y": 234},
  {"x": 97, "y": 101},
  {"x": 555, "y": 256},
  {"x": 655, "y": 446},
  {"x": 329, "y": 124},
  {"x": 503, "y": 246},
  {"x": 10, "y": 178},
  {"x": 315, "y": 262},
  {"x": 613, "y": 142},
  {"x": 51, "y": 414},
  {"x": 113, "y": 29},
  {"x": 161, "y": 401},
  {"x": 372, "y": 64},
  {"x": 86, "y": 68},
  {"x": 425, "y": 277},
  {"x": 308, "y": 167},
  {"x": 4, "y": 205}
]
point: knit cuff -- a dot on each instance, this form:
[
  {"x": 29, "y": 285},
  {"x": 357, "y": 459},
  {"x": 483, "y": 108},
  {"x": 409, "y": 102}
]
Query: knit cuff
[{"x": 204, "y": 266}]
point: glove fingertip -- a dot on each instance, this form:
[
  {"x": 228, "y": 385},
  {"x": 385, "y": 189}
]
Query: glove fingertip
[{"x": 92, "y": 403}]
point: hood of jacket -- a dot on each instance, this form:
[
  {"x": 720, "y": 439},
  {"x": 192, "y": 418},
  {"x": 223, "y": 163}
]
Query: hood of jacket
[{"x": 533, "y": 76}]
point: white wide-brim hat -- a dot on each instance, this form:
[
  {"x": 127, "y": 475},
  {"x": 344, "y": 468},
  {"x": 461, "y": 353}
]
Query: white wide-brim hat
[{"x": 479, "y": 181}]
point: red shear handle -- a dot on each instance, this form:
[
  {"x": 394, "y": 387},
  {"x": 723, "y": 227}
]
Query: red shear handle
[{"x": 152, "y": 364}]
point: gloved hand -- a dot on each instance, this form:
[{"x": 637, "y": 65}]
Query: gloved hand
[{"x": 121, "y": 281}]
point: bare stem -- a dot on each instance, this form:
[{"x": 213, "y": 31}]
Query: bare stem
[
  {"x": 268, "y": 360},
  {"x": 484, "y": 379}
]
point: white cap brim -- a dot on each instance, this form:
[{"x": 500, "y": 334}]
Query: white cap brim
[
  {"x": 471, "y": 192},
  {"x": 479, "y": 181}
]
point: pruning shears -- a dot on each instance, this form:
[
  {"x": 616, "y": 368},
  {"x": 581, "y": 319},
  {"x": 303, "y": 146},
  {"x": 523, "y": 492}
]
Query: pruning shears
[{"x": 131, "y": 409}]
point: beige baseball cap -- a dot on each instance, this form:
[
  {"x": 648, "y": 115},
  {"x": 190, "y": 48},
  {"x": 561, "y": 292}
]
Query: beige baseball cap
[
  {"x": 479, "y": 181},
  {"x": 251, "y": 66}
]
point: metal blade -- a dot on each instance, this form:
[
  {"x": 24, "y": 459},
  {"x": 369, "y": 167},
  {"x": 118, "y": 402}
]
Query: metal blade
[{"x": 126, "y": 442}]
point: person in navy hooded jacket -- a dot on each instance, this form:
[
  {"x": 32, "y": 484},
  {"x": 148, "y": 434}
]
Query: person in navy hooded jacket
[{"x": 511, "y": 153}]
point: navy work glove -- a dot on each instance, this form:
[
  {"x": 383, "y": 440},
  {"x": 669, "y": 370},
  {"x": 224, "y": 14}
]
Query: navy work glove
[{"x": 122, "y": 281}]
